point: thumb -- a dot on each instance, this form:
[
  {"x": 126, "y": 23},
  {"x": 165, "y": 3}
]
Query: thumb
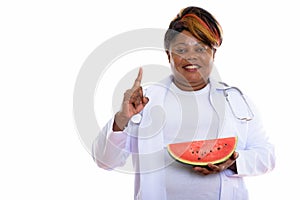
[
  {"x": 145, "y": 100},
  {"x": 235, "y": 155}
]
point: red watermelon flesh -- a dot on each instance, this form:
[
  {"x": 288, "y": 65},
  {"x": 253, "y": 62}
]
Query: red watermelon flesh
[{"x": 189, "y": 152}]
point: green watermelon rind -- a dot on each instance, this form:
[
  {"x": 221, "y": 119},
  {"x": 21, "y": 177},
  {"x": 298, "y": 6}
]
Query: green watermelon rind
[{"x": 204, "y": 163}]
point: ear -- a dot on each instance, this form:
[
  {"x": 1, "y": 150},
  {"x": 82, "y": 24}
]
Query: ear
[
  {"x": 168, "y": 54},
  {"x": 214, "y": 52}
]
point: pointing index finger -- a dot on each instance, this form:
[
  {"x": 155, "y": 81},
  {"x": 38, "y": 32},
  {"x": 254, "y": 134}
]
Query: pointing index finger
[{"x": 138, "y": 80}]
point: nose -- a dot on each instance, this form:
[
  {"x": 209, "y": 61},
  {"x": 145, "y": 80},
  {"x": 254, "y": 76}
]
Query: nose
[{"x": 191, "y": 56}]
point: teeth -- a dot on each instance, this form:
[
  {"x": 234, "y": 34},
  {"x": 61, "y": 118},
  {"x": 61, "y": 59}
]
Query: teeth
[{"x": 192, "y": 67}]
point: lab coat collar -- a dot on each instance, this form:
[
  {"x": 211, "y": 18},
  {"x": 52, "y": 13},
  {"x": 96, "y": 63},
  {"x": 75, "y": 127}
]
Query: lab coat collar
[{"x": 215, "y": 83}]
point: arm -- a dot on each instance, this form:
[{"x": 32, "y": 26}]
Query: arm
[
  {"x": 258, "y": 157},
  {"x": 112, "y": 146},
  {"x": 111, "y": 149}
]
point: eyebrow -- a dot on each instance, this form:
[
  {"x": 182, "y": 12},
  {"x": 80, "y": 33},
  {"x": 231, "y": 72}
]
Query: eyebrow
[
  {"x": 185, "y": 44},
  {"x": 181, "y": 43}
]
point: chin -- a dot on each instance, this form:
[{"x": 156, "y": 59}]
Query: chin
[{"x": 195, "y": 80}]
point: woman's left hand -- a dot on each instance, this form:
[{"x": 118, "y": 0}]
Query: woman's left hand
[{"x": 213, "y": 169}]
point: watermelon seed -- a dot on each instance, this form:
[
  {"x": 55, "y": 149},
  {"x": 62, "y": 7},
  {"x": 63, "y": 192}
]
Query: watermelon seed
[
  {"x": 199, "y": 158},
  {"x": 210, "y": 151},
  {"x": 219, "y": 148}
]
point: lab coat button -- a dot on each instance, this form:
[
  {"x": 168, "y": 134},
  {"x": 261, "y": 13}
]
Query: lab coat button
[{"x": 136, "y": 118}]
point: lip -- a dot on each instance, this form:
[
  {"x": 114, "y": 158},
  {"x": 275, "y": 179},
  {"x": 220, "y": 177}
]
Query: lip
[{"x": 191, "y": 67}]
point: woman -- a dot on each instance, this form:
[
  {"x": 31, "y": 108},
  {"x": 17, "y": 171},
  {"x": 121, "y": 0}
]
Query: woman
[{"x": 188, "y": 105}]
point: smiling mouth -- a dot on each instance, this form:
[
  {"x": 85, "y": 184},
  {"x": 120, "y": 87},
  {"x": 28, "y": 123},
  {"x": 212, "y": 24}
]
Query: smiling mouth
[{"x": 191, "y": 67}]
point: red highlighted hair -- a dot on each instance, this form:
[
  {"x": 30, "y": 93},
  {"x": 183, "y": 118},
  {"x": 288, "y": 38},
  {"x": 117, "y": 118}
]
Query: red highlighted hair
[{"x": 200, "y": 23}]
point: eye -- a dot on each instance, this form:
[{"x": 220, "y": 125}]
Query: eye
[
  {"x": 201, "y": 49},
  {"x": 180, "y": 50}
]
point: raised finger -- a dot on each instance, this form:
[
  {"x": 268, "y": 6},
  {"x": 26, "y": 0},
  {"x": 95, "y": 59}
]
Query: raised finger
[{"x": 138, "y": 80}]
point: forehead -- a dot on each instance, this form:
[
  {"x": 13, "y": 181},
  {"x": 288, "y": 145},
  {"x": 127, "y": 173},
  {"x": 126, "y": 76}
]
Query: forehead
[{"x": 185, "y": 38}]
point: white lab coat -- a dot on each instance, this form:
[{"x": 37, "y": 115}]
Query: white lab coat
[{"x": 145, "y": 144}]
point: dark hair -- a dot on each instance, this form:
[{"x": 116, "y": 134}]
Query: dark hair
[{"x": 199, "y": 22}]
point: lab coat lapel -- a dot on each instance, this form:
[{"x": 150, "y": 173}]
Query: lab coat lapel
[
  {"x": 150, "y": 145},
  {"x": 219, "y": 105}
]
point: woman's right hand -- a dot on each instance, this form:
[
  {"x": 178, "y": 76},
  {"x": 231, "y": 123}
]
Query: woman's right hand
[{"x": 133, "y": 102}]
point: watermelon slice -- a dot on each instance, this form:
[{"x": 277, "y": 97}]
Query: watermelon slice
[{"x": 190, "y": 153}]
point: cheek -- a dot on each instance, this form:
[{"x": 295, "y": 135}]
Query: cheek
[
  {"x": 175, "y": 60},
  {"x": 207, "y": 62},
  {"x": 210, "y": 61}
]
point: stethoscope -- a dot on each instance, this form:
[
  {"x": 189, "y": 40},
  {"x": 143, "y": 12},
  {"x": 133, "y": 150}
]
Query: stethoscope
[
  {"x": 226, "y": 95},
  {"x": 226, "y": 89}
]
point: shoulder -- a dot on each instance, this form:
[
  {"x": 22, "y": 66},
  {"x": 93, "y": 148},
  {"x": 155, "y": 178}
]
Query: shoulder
[{"x": 158, "y": 87}]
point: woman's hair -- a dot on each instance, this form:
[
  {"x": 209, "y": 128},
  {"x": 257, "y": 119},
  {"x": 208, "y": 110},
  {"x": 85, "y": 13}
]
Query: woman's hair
[{"x": 200, "y": 23}]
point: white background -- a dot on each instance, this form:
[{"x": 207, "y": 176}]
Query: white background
[{"x": 43, "y": 45}]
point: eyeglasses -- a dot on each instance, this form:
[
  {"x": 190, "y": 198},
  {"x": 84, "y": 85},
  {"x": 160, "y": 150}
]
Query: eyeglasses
[{"x": 199, "y": 49}]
